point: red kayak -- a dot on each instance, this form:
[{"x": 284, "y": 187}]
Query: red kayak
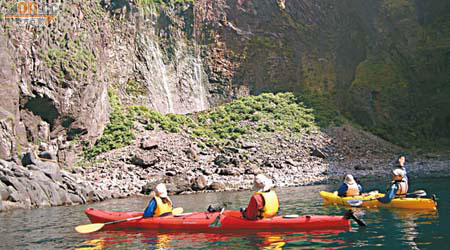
[{"x": 230, "y": 220}]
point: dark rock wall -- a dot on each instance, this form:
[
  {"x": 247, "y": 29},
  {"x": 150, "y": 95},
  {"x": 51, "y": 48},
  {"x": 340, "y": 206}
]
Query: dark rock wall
[{"x": 385, "y": 64}]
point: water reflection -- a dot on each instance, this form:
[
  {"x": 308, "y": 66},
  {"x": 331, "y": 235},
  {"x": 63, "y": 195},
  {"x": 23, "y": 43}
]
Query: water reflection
[
  {"x": 53, "y": 228},
  {"x": 173, "y": 240}
]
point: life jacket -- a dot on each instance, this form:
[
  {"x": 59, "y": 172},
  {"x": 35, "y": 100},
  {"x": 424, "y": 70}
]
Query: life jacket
[
  {"x": 161, "y": 207},
  {"x": 352, "y": 190},
  {"x": 271, "y": 204},
  {"x": 402, "y": 188}
]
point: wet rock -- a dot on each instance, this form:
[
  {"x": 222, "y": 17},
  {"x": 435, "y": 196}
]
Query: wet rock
[
  {"x": 216, "y": 186},
  {"x": 200, "y": 183}
]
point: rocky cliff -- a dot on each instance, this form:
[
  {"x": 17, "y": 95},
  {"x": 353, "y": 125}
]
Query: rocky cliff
[{"x": 385, "y": 64}]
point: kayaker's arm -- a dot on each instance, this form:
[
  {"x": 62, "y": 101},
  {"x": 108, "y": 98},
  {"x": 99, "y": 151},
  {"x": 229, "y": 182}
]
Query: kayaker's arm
[
  {"x": 360, "y": 188},
  {"x": 150, "y": 210},
  {"x": 390, "y": 194},
  {"x": 342, "y": 190}
]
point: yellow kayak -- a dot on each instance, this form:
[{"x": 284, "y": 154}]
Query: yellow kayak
[{"x": 371, "y": 201}]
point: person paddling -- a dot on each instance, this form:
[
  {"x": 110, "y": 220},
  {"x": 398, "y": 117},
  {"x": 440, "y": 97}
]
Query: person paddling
[
  {"x": 160, "y": 204},
  {"x": 264, "y": 203},
  {"x": 350, "y": 187},
  {"x": 398, "y": 187}
]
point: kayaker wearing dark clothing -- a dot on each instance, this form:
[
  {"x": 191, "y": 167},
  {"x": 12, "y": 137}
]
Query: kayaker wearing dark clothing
[
  {"x": 350, "y": 187},
  {"x": 264, "y": 203},
  {"x": 398, "y": 187},
  {"x": 160, "y": 204},
  {"x": 401, "y": 164}
]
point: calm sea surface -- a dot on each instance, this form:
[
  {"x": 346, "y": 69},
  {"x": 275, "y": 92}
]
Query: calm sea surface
[{"x": 53, "y": 228}]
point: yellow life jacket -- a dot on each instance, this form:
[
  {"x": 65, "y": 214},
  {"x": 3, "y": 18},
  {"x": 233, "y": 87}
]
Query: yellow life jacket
[
  {"x": 352, "y": 190},
  {"x": 161, "y": 207},
  {"x": 271, "y": 204}
]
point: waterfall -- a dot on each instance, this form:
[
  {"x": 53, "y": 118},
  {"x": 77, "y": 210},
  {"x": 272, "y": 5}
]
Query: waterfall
[
  {"x": 160, "y": 72},
  {"x": 176, "y": 84},
  {"x": 200, "y": 100}
]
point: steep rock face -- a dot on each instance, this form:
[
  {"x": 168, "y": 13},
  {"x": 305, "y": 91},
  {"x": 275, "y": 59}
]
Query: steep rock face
[
  {"x": 385, "y": 63},
  {"x": 55, "y": 78}
]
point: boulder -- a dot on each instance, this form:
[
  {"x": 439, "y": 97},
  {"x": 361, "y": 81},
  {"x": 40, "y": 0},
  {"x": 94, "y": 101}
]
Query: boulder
[
  {"x": 221, "y": 160},
  {"x": 149, "y": 144},
  {"x": 29, "y": 158},
  {"x": 37, "y": 195},
  {"x": 4, "y": 193},
  {"x": 48, "y": 155},
  {"x": 318, "y": 153},
  {"x": 67, "y": 157},
  {"x": 144, "y": 161},
  {"x": 51, "y": 170},
  {"x": 216, "y": 186},
  {"x": 51, "y": 189},
  {"x": 199, "y": 183},
  {"x": 228, "y": 171}
]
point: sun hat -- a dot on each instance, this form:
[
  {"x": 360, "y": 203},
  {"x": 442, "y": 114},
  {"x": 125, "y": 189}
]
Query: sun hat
[
  {"x": 161, "y": 190},
  {"x": 349, "y": 180},
  {"x": 262, "y": 183}
]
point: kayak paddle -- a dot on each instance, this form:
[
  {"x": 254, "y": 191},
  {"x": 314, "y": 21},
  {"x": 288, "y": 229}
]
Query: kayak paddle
[
  {"x": 351, "y": 215},
  {"x": 216, "y": 222},
  {"x": 90, "y": 228}
]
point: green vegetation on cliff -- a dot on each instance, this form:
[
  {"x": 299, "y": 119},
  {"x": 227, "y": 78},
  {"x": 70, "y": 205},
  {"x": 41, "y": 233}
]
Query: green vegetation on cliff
[
  {"x": 221, "y": 126},
  {"x": 118, "y": 131}
]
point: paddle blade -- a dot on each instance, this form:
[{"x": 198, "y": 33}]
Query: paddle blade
[
  {"x": 89, "y": 228},
  {"x": 216, "y": 223},
  {"x": 355, "y": 203}
]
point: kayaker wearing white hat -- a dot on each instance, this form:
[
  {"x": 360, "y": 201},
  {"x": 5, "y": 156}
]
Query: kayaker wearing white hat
[
  {"x": 398, "y": 187},
  {"x": 264, "y": 203},
  {"x": 160, "y": 204},
  {"x": 350, "y": 187}
]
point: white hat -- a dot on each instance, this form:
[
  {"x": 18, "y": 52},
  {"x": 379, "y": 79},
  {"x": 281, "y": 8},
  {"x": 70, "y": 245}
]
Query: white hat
[
  {"x": 398, "y": 172},
  {"x": 349, "y": 180},
  {"x": 262, "y": 183},
  {"x": 161, "y": 190}
]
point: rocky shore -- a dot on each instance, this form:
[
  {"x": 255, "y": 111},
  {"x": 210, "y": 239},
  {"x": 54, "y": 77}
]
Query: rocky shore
[{"x": 290, "y": 160}]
